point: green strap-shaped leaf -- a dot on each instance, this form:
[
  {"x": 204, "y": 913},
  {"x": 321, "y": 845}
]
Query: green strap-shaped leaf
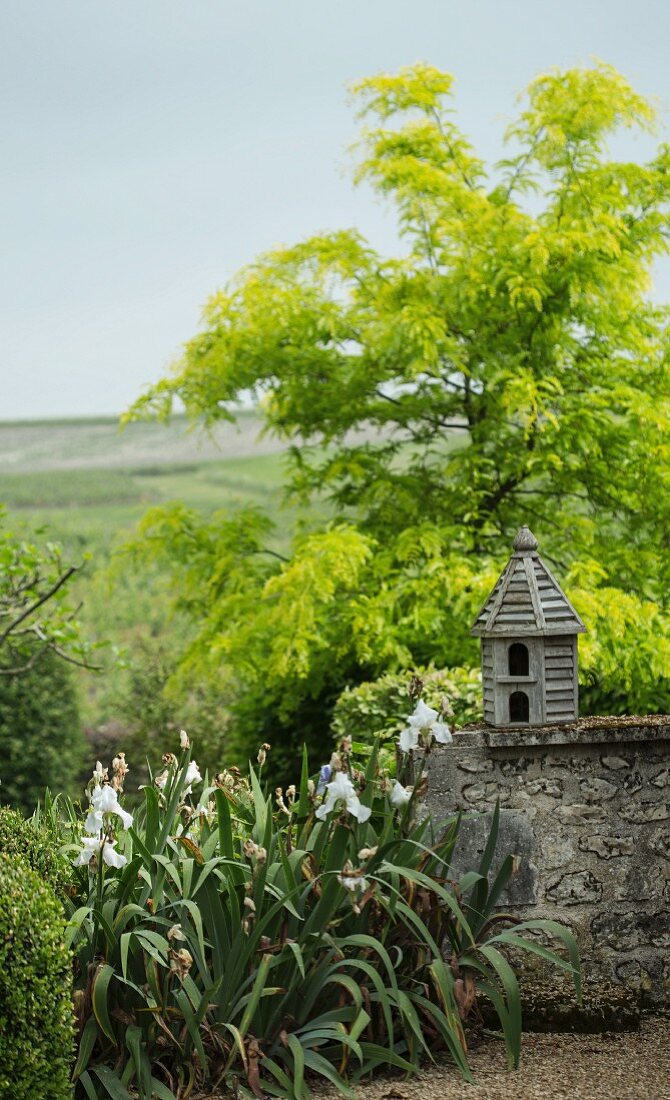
[
  {"x": 86, "y": 1044},
  {"x": 111, "y": 1083},
  {"x": 85, "y": 1081},
  {"x": 318, "y": 1064},
  {"x": 511, "y": 986},
  {"x": 256, "y": 993},
  {"x": 99, "y": 999},
  {"x": 141, "y": 1063},
  {"x": 553, "y": 928},
  {"x": 374, "y": 1056},
  {"x": 298, "y": 1067}
]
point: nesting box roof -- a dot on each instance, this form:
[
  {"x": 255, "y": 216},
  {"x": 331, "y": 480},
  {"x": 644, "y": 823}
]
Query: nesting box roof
[{"x": 527, "y": 600}]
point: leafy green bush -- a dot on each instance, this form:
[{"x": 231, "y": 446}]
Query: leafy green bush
[
  {"x": 36, "y": 1018},
  {"x": 380, "y": 707},
  {"x": 41, "y": 741},
  {"x": 244, "y": 936},
  {"x": 36, "y": 845}
]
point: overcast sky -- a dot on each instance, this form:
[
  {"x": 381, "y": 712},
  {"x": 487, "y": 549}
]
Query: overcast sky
[{"x": 152, "y": 147}]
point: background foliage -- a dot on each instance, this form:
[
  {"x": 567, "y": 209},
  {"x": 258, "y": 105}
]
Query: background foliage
[
  {"x": 508, "y": 367},
  {"x": 41, "y": 742},
  {"x": 380, "y": 708},
  {"x": 37, "y": 845},
  {"x": 36, "y": 613}
]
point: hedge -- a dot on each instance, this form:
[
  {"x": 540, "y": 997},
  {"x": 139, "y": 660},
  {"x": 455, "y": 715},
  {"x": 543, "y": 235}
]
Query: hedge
[
  {"x": 36, "y": 1017},
  {"x": 36, "y": 846}
]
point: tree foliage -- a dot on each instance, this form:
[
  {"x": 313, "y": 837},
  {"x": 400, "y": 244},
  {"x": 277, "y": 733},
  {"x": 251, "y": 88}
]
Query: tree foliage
[
  {"x": 36, "y": 613},
  {"x": 508, "y": 367},
  {"x": 41, "y": 739}
]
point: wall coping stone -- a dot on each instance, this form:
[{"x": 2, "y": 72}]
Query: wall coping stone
[{"x": 585, "y": 731}]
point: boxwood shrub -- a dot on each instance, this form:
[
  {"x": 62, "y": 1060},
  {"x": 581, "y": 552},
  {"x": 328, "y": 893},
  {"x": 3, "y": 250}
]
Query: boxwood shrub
[
  {"x": 36, "y": 846},
  {"x": 36, "y": 1018}
]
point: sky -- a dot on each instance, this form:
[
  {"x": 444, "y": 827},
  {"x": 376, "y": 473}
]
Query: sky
[{"x": 150, "y": 148}]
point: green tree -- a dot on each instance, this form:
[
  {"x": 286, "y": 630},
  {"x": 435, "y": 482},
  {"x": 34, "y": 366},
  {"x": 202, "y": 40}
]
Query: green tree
[
  {"x": 508, "y": 367},
  {"x": 41, "y": 740},
  {"x": 36, "y": 613}
]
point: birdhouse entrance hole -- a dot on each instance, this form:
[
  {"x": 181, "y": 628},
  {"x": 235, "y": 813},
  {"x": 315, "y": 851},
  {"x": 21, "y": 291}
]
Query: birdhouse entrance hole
[
  {"x": 518, "y": 659},
  {"x": 519, "y": 706}
]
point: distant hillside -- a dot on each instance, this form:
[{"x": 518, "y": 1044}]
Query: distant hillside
[{"x": 98, "y": 443}]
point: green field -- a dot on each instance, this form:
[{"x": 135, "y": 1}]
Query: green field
[{"x": 89, "y": 484}]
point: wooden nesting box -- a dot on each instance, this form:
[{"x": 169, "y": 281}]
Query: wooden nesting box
[{"x": 528, "y": 630}]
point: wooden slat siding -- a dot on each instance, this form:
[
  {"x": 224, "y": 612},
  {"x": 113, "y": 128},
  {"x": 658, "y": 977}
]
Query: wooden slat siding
[
  {"x": 487, "y": 680},
  {"x": 574, "y": 617},
  {"x": 500, "y": 595},
  {"x": 538, "y": 613},
  {"x": 557, "y": 649},
  {"x": 554, "y": 686}
]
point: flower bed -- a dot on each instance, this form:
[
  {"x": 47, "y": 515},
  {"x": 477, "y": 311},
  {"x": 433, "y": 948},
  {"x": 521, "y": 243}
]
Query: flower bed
[{"x": 223, "y": 934}]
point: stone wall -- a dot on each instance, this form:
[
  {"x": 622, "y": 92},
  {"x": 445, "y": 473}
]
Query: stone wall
[{"x": 586, "y": 807}]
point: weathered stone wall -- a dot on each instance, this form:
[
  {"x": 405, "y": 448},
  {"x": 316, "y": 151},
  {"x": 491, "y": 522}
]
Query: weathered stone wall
[{"x": 586, "y": 807}]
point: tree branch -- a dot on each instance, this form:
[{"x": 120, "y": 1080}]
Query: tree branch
[{"x": 38, "y": 603}]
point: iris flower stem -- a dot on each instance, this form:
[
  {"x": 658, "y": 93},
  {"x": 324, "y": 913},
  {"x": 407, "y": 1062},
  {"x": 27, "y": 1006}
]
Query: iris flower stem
[{"x": 98, "y": 901}]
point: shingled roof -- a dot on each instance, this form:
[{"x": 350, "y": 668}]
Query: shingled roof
[{"x": 527, "y": 600}]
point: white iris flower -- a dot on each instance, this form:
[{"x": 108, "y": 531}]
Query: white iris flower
[
  {"x": 92, "y": 845},
  {"x": 341, "y": 789},
  {"x": 423, "y": 720},
  {"x": 192, "y": 776},
  {"x": 105, "y": 800},
  {"x": 399, "y": 796},
  {"x": 442, "y": 733}
]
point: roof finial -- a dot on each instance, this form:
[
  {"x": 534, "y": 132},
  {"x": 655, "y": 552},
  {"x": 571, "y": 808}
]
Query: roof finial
[{"x": 525, "y": 539}]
